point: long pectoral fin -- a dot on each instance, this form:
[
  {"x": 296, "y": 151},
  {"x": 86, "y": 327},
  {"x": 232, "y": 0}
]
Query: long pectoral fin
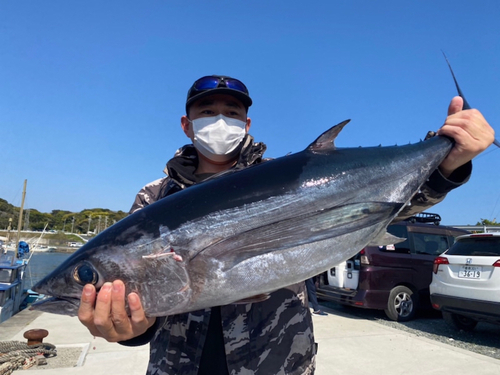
[
  {"x": 303, "y": 229},
  {"x": 254, "y": 299},
  {"x": 385, "y": 239}
]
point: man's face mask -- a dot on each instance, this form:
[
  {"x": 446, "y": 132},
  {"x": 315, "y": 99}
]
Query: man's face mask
[{"x": 218, "y": 137}]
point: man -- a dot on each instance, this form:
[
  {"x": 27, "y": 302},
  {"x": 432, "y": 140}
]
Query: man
[
  {"x": 273, "y": 336},
  {"x": 312, "y": 298}
]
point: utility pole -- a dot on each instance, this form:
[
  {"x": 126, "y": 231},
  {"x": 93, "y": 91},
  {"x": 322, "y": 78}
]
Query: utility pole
[
  {"x": 73, "y": 225},
  {"x": 27, "y": 220},
  {"x": 9, "y": 228},
  {"x": 90, "y": 219}
]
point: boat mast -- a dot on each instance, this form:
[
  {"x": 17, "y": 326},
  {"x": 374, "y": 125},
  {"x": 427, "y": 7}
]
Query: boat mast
[{"x": 19, "y": 223}]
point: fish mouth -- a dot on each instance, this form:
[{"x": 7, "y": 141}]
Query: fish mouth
[{"x": 57, "y": 305}]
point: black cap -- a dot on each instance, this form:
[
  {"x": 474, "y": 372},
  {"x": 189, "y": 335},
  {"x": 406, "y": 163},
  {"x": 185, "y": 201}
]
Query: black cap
[{"x": 215, "y": 84}]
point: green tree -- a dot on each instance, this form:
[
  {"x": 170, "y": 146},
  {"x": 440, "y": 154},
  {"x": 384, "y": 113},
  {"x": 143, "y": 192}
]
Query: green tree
[
  {"x": 38, "y": 220},
  {"x": 8, "y": 211},
  {"x": 488, "y": 222}
]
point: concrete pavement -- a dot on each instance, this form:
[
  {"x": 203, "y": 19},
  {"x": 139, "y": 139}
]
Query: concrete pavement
[{"x": 347, "y": 345}]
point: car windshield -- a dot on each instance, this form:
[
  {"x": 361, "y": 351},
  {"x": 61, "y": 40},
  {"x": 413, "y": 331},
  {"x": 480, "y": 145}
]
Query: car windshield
[{"x": 479, "y": 246}]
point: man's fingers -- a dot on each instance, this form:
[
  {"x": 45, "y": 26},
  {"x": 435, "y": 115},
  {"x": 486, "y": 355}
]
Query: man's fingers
[
  {"x": 86, "y": 309},
  {"x": 110, "y": 317},
  {"x": 103, "y": 310},
  {"x": 87, "y": 302},
  {"x": 105, "y": 314},
  {"x": 456, "y": 105},
  {"x": 140, "y": 323},
  {"x": 119, "y": 314},
  {"x": 471, "y": 132},
  {"x": 135, "y": 305}
]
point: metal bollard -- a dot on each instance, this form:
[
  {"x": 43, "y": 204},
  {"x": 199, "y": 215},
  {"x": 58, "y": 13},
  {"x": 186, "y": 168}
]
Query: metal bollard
[{"x": 35, "y": 336}]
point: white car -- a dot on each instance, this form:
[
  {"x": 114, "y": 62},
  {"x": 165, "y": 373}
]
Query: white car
[{"x": 466, "y": 281}]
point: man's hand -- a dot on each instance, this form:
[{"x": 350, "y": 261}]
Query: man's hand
[
  {"x": 471, "y": 132},
  {"x": 105, "y": 316}
]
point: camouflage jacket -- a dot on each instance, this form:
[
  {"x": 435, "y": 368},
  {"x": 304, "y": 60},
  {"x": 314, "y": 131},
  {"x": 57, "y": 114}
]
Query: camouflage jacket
[{"x": 270, "y": 337}]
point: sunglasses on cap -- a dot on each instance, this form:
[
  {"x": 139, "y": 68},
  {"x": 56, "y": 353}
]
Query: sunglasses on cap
[{"x": 211, "y": 82}]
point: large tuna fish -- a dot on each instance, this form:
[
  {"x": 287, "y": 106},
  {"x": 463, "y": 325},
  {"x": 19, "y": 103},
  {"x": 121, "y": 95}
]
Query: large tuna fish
[{"x": 252, "y": 231}]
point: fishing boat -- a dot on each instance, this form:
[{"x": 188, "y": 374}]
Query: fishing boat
[
  {"x": 13, "y": 295},
  {"x": 12, "y": 292}
]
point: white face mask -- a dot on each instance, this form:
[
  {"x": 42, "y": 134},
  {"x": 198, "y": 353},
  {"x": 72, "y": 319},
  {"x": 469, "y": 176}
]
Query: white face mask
[{"x": 218, "y": 137}]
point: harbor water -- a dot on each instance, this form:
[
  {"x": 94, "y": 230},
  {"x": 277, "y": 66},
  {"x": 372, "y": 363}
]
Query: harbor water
[{"x": 41, "y": 264}]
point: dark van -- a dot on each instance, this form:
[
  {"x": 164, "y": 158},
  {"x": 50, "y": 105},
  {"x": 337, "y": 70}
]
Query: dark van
[{"x": 393, "y": 278}]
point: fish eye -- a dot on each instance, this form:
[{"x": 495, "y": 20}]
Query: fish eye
[{"x": 85, "y": 274}]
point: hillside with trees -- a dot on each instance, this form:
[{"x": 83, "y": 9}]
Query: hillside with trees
[
  {"x": 89, "y": 220},
  {"x": 93, "y": 220}
]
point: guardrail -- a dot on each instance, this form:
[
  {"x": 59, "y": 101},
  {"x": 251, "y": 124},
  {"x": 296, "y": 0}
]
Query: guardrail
[{"x": 478, "y": 228}]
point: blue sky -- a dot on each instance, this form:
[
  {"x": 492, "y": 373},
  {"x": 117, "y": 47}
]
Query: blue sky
[{"x": 92, "y": 92}]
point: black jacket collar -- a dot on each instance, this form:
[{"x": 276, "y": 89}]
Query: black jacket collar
[{"x": 182, "y": 166}]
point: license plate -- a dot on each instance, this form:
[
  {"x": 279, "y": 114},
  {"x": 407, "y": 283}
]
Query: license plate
[{"x": 470, "y": 272}]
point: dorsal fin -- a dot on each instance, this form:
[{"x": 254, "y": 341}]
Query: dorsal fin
[{"x": 326, "y": 140}]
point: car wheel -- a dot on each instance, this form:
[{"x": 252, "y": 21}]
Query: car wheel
[
  {"x": 459, "y": 321},
  {"x": 402, "y": 304}
]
